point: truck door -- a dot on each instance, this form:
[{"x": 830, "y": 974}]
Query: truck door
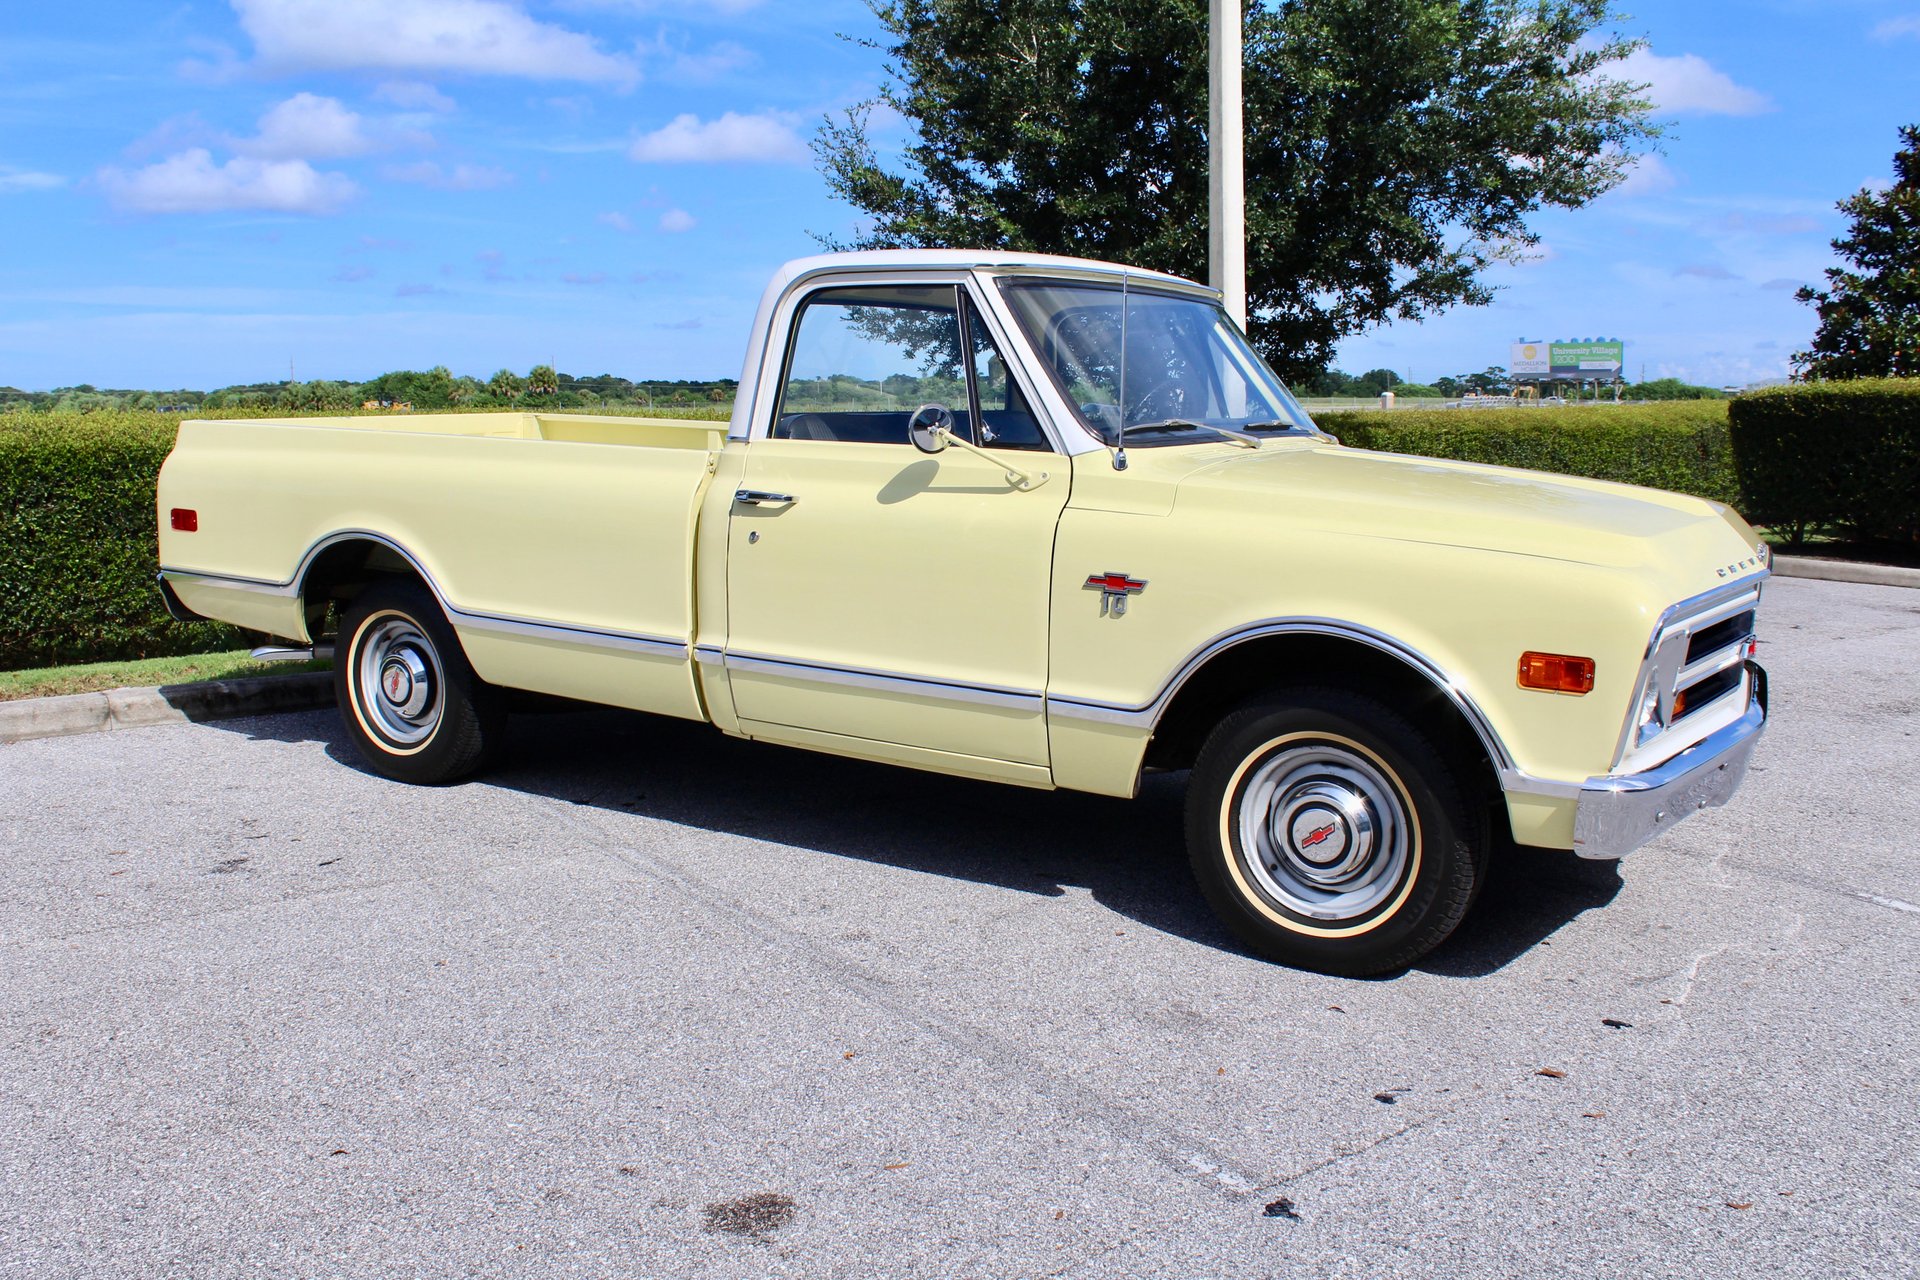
[{"x": 876, "y": 593}]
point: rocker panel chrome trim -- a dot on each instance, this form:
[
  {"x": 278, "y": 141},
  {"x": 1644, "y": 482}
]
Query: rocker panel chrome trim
[
  {"x": 589, "y": 637},
  {"x": 887, "y": 682}
]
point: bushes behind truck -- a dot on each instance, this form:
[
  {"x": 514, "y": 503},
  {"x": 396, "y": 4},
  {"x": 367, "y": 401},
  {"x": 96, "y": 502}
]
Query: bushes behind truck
[
  {"x": 78, "y": 544},
  {"x": 1680, "y": 445},
  {"x": 1841, "y": 456}
]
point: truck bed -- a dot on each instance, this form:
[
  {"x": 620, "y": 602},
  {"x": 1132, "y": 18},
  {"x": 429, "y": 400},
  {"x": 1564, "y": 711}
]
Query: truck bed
[
  {"x": 561, "y": 545},
  {"x": 573, "y": 428}
]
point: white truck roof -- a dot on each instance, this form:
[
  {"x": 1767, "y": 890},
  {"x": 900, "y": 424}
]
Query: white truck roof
[{"x": 958, "y": 260}]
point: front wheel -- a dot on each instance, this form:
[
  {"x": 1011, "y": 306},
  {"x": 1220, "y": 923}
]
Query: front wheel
[
  {"x": 1330, "y": 834},
  {"x": 412, "y": 704}
]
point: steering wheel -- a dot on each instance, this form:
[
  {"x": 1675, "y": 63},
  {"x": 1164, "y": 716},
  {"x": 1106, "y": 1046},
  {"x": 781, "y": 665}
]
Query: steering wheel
[{"x": 1165, "y": 399}]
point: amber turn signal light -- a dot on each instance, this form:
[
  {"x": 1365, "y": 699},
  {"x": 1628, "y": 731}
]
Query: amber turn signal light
[
  {"x": 186, "y": 519},
  {"x": 1556, "y": 672}
]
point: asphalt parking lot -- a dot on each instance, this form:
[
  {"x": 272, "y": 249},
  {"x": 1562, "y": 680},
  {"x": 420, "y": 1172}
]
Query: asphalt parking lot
[{"x": 651, "y": 1002}]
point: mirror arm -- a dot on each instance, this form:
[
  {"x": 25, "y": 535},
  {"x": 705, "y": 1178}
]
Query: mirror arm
[{"x": 1021, "y": 480}]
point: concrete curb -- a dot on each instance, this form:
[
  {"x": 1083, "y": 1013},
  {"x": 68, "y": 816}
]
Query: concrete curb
[
  {"x": 1879, "y": 575},
  {"x": 170, "y": 704}
]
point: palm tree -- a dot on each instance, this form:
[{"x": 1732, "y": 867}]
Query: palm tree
[
  {"x": 506, "y": 384},
  {"x": 542, "y": 380}
]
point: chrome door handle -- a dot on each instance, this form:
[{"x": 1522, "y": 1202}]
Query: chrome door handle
[{"x": 755, "y": 497}]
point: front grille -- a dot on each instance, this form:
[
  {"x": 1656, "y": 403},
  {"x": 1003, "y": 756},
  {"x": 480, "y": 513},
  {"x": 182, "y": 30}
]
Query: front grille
[
  {"x": 1696, "y": 672},
  {"x": 1719, "y": 636}
]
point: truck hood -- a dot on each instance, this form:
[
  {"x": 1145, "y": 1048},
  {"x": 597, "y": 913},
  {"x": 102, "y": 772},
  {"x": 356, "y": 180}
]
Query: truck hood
[{"x": 1458, "y": 504}]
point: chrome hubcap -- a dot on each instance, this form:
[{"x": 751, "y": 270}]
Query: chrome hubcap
[
  {"x": 1323, "y": 831},
  {"x": 399, "y": 680}
]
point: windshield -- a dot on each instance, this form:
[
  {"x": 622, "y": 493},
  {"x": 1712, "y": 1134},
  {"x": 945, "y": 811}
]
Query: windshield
[{"x": 1168, "y": 366}]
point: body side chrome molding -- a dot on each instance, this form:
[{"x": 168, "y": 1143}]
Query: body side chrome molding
[
  {"x": 227, "y": 581},
  {"x": 590, "y": 637},
  {"x": 885, "y": 681},
  {"x": 472, "y": 620}
]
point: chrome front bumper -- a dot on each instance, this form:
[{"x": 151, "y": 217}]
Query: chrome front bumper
[{"x": 1618, "y": 814}]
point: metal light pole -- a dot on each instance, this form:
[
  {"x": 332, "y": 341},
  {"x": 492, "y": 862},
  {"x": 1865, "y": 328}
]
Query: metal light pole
[{"x": 1226, "y": 168}]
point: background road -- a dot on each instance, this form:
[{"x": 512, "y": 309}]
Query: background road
[{"x": 263, "y": 1014}]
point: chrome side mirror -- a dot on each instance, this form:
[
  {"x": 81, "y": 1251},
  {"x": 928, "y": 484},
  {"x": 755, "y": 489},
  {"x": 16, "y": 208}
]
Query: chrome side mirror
[{"x": 929, "y": 426}]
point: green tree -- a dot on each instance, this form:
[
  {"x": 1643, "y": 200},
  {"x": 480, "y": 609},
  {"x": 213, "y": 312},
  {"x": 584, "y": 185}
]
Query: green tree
[
  {"x": 505, "y": 384},
  {"x": 1395, "y": 148},
  {"x": 1870, "y": 314},
  {"x": 1671, "y": 389},
  {"x": 542, "y": 380}
]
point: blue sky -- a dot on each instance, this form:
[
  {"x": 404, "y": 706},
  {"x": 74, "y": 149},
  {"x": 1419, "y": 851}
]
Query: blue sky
[{"x": 199, "y": 194}]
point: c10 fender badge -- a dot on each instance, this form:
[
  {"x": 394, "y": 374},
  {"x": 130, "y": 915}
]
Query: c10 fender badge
[{"x": 1114, "y": 589}]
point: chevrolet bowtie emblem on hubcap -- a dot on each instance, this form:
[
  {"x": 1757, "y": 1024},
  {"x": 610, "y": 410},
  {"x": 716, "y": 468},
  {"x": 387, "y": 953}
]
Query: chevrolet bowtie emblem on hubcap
[
  {"x": 1114, "y": 589},
  {"x": 1318, "y": 835}
]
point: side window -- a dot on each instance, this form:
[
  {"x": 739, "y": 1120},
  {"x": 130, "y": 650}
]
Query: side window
[
  {"x": 1006, "y": 421},
  {"x": 863, "y": 359}
]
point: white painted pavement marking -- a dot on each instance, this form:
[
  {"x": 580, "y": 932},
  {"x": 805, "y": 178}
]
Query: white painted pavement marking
[{"x": 1896, "y": 903}]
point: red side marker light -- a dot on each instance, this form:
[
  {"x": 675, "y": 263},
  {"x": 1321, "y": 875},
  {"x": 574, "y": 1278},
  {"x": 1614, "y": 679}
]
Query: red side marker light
[
  {"x": 1556, "y": 672},
  {"x": 186, "y": 520}
]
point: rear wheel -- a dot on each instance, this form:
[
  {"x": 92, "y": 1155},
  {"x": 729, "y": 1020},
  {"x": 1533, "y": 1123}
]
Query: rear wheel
[
  {"x": 1330, "y": 834},
  {"x": 411, "y": 702}
]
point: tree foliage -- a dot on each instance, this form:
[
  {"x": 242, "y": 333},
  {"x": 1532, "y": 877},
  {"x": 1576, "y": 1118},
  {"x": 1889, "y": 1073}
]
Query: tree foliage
[
  {"x": 1870, "y": 313},
  {"x": 1395, "y": 148}
]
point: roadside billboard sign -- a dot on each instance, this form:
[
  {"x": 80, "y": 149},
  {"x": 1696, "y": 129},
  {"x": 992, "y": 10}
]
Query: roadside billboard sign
[
  {"x": 1529, "y": 360},
  {"x": 1567, "y": 360}
]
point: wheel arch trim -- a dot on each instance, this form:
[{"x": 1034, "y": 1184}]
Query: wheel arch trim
[{"x": 1148, "y": 715}]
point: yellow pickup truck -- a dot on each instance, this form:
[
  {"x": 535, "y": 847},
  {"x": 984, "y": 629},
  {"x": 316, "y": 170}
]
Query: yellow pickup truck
[{"x": 1037, "y": 520}]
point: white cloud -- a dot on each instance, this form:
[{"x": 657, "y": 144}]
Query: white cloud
[
  {"x": 732, "y": 137},
  {"x": 413, "y": 95},
  {"x": 12, "y": 179},
  {"x": 192, "y": 183},
  {"x": 479, "y": 37},
  {"x": 618, "y": 221},
  {"x": 1688, "y": 83},
  {"x": 1741, "y": 223},
  {"x": 461, "y": 177},
  {"x": 1894, "y": 28},
  {"x": 1648, "y": 175},
  {"x": 307, "y": 127},
  {"x": 681, "y": 63},
  {"x": 677, "y": 220}
]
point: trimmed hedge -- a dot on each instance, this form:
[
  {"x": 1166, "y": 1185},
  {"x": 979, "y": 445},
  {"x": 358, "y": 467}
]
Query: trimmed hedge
[
  {"x": 78, "y": 545},
  {"x": 1833, "y": 455},
  {"x": 1678, "y": 445}
]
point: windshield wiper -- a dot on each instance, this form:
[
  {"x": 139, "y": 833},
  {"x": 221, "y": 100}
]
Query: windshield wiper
[
  {"x": 1235, "y": 434},
  {"x": 1287, "y": 424}
]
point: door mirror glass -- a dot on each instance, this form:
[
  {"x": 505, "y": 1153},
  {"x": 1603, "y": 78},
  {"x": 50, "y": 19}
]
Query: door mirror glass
[{"x": 925, "y": 426}]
